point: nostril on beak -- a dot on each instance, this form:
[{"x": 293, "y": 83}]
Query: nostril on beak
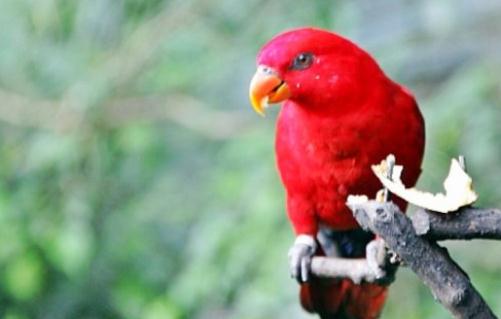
[{"x": 267, "y": 70}]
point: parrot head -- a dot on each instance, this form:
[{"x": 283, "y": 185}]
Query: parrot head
[{"x": 314, "y": 68}]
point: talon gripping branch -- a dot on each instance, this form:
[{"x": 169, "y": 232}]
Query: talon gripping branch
[{"x": 340, "y": 114}]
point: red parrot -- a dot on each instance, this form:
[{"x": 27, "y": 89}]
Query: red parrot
[{"x": 341, "y": 114}]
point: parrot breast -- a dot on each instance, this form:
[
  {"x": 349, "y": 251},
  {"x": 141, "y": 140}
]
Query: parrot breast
[{"x": 322, "y": 159}]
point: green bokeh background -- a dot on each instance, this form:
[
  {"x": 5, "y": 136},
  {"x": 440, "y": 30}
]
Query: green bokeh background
[{"x": 136, "y": 182}]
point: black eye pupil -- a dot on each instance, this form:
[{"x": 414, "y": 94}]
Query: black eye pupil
[{"x": 302, "y": 61}]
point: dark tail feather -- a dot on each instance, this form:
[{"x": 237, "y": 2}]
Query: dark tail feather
[
  {"x": 322, "y": 295},
  {"x": 365, "y": 301},
  {"x": 342, "y": 299}
]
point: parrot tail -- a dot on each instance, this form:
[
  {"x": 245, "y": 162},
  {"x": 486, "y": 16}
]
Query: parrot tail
[{"x": 342, "y": 299}]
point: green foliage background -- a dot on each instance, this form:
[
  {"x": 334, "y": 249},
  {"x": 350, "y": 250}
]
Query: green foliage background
[{"x": 135, "y": 181}]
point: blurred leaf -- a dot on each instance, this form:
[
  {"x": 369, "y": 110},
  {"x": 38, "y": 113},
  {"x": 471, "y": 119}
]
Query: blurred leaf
[{"x": 24, "y": 276}]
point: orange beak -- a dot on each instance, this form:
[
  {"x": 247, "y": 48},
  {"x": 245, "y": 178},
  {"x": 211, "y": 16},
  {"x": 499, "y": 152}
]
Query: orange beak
[{"x": 266, "y": 87}]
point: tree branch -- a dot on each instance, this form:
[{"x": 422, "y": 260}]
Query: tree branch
[
  {"x": 466, "y": 223},
  {"x": 377, "y": 267},
  {"x": 357, "y": 270},
  {"x": 448, "y": 282}
]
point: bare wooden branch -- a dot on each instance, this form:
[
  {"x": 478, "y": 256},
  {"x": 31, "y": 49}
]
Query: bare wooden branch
[
  {"x": 357, "y": 270},
  {"x": 448, "y": 282},
  {"x": 377, "y": 267},
  {"x": 466, "y": 223}
]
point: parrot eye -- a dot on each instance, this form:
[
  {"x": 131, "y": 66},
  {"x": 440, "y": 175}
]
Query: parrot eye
[{"x": 302, "y": 61}]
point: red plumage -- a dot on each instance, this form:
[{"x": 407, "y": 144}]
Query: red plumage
[{"x": 343, "y": 115}]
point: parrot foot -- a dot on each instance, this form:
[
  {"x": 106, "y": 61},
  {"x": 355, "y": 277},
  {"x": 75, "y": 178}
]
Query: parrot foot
[
  {"x": 300, "y": 256},
  {"x": 381, "y": 261}
]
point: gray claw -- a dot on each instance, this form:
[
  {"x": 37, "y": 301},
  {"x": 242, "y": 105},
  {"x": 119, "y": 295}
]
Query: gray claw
[
  {"x": 300, "y": 261},
  {"x": 305, "y": 268},
  {"x": 375, "y": 255},
  {"x": 378, "y": 258}
]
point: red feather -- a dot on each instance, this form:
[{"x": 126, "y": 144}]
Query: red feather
[{"x": 343, "y": 115}]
